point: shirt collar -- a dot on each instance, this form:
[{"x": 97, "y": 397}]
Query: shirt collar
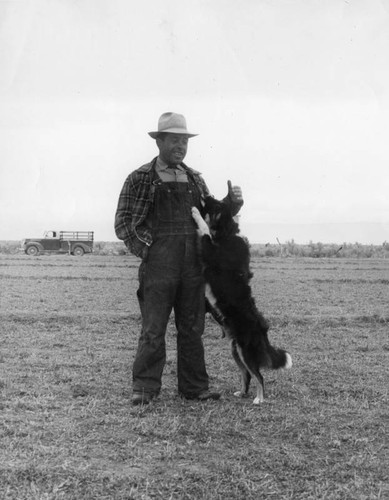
[{"x": 161, "y": 165}]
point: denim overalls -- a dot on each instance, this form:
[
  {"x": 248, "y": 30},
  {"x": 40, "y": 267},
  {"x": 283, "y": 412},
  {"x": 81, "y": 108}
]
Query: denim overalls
[{"x": 170, "y": 278}]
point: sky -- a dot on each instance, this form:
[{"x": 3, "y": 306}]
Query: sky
[{"x": 290, "y": 99}]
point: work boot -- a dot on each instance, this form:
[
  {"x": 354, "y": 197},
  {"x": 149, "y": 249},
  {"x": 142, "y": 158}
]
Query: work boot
[
  {"x": 203, "y": 396},
  {"x": 141, "y": 398}
]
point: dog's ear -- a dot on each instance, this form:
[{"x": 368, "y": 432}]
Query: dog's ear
[
  {"x": 210, "y": 205},
  {"x": 205, "y": 205},
  {"x": 209, "y": 202}
]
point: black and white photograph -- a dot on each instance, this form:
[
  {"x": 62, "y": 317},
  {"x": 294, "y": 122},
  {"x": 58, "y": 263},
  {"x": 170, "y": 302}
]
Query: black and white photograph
[{"x": 194, "y": 249}]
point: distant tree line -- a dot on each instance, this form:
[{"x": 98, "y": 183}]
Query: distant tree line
[
  {"x": 284, "y": 250},
  {"x": 320, "y": 250}
]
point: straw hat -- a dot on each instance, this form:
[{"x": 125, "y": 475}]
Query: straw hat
[{"x": 171, "y": 123}]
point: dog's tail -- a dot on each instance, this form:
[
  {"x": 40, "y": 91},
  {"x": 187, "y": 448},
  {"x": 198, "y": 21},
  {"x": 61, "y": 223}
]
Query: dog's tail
[
  {"x": 272, "y": 357},
  {"x": 278, "y": 358}
]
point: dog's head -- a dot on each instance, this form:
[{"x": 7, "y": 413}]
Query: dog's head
[{"x": 219, "y": 218}]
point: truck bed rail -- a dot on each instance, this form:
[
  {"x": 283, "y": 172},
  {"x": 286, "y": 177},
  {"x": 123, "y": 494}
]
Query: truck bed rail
[{"x": 76, "y": 235}]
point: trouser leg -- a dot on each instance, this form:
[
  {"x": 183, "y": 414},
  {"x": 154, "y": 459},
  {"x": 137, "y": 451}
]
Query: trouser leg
[
  {"x": 189, "y": 310},
  {"x": 157, "y": 289}
]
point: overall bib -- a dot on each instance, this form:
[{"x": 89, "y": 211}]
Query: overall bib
[{"x": 170, "y": 278}]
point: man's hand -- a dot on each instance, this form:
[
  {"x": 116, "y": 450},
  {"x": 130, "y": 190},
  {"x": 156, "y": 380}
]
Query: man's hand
[{"x": 235, "y": 193}]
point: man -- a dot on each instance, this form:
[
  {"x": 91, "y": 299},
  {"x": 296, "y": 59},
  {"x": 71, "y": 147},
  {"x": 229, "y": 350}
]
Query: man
[{"x": 154, "y": 220}]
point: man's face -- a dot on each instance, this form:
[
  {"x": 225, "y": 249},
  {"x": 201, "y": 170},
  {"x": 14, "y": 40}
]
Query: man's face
[{"x": 172, "y": 148}]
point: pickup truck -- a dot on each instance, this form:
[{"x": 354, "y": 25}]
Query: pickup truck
[{"x": 71, "y": 242}]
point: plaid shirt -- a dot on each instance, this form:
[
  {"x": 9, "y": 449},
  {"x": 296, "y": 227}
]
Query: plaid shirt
[{"x": 134, "y": 204}]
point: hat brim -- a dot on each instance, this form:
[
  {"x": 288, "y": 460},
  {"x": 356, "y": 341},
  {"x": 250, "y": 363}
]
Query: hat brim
[{"x": 154, "y": 135}]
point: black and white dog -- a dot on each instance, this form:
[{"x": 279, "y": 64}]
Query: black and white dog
[{"x": 226, "y": 261}]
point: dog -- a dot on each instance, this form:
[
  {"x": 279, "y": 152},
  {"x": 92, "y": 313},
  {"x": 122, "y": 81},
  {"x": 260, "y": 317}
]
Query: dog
[{"x": 225, "y": 258}]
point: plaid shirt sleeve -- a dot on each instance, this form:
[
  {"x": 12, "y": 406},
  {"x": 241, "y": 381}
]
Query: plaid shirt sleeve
[{"x": 131, "y": 210}]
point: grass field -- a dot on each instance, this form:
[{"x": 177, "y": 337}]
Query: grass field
[{"x": 69, "y": 328}]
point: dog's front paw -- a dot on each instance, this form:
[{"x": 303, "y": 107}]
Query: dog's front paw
[
  {"x": 201, "y": 224},
  {"x": 257, "y": 401},
  {"x": 196, "y": 214}
]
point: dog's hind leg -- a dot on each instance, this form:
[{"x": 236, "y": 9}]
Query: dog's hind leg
[
  {"x": 260, "y": 389},
  {"x": 245, "y": 374},
  {"x": 250, "y": 365},
  {"x": 253, "y": 366}
]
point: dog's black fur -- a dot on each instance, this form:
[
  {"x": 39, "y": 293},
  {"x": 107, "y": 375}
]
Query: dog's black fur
[{"x": 226, "y": 267}]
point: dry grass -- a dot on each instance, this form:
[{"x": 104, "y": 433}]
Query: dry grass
[{"x": 68, "y": 430}]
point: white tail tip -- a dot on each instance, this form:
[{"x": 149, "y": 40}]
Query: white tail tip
[{"x": 289, "y": 362}]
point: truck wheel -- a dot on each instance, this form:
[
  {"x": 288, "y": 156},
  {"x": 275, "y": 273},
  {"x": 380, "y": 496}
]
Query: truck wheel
[
  {"x": 32, "y": 250},
  {"x": 78, "y": 251}
]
